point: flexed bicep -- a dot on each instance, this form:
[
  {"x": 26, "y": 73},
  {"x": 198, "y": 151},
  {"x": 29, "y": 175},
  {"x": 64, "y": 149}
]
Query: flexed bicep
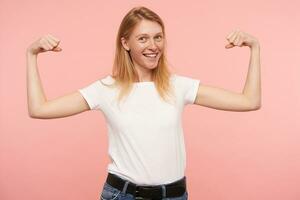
[
  {"x": 222, "y": 99},
  {"x": 63, "y": 106}
]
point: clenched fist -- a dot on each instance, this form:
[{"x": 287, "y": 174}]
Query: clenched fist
[
  {"x": 43, "y": 44},
  {"x": 241, "y": 38}
]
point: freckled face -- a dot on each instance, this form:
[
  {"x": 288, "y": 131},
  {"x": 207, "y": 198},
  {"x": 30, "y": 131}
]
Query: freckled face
[{"x": 146, "y": 44}]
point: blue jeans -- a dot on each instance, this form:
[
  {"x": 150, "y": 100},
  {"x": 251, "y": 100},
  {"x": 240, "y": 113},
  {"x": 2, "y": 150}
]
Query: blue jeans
[{"x": 111, "y": 193}]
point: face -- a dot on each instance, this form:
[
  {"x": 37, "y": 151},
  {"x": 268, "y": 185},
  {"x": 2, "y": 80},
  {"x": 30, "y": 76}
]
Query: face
[{"x": 146, "y": 44}]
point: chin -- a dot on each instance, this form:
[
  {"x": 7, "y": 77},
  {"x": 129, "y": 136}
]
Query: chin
[{"x": 152, "y": 67}]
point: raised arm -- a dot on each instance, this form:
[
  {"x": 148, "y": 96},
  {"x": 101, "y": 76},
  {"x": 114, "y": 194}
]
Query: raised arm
[
  {"x": 250, "y": 98},
  {"x": 38, "y": 105}
]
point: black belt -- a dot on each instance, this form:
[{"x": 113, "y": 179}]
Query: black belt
[{"x": 174, "y": 189}]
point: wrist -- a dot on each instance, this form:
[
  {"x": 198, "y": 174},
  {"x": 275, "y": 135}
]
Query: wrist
[
  {"x": 255, "y": 45},
  {"x": 30, "y": 53}
]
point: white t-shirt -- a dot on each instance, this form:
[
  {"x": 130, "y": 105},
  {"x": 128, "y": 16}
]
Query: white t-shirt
[{"x": 146, "y": 142}]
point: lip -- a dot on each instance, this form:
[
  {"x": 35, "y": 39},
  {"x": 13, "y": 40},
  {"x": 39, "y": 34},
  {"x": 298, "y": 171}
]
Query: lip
[
  {"x": 152, "y": 58},
  {"x": 152, "y": 53}
]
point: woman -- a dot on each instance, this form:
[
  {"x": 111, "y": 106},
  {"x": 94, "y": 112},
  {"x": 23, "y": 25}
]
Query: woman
[{"x": 142, "y": 102}]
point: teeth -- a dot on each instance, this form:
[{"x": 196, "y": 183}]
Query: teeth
[{"x": 150, "y": 55}]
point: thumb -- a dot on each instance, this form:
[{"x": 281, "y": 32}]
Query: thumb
[
  {"x": 229, "y": 46},
  {"x": 57, "y": 49}
]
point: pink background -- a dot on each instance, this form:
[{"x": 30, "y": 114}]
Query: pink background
[{"x": 230, "y": 155}]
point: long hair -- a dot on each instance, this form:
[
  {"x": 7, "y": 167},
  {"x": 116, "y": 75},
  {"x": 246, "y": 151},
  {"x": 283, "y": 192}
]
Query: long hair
[{"x": 124, "y": 72}]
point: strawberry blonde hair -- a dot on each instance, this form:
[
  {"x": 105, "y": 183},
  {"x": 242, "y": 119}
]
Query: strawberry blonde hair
[{"x": 124, "y": 71}]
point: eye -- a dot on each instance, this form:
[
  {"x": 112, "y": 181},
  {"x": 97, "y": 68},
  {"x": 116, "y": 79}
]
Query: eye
[
  {"x": 159, "y": 38},
  {"x": 141, "y": 38}
]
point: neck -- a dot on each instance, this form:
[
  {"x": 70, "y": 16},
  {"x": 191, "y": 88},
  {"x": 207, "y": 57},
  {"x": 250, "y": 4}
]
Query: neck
[{"x": 144, "y": 74}]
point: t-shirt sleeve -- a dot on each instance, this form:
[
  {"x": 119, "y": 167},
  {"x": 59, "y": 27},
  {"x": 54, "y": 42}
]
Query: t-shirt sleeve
[
  {"x": 188, "y": 88},
  {"x": 93, "y": 95}
]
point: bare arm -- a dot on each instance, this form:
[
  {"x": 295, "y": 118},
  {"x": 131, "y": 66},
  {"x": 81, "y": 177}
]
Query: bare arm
[
  {"x": 38, "y": 105},
  {"x": 222, "y": 99},
  {"x": 250, "y": 98},
  {"x": 252, "y": 88},
  {"x": 35, "y": 93}
]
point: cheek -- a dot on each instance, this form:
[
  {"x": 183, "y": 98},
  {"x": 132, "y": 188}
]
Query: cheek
[
  {"x": 137, "y": 55},
  {"x": 137, "y": 50},
  {"x": 161, "y": 46}
]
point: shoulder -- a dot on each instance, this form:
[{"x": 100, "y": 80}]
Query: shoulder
[{"x": 106, "y": 80}]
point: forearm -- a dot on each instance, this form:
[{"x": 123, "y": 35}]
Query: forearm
[
  {"x": 252, "y": 88},
  {"x": 35, "y": 93}
]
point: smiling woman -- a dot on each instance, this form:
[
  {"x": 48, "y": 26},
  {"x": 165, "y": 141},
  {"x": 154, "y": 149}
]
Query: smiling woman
[
  {"x": 140, "y": 52},
  {"x": 146, "y": 46},
  {"x": 146, "y": 143},
  {"x": 149, "y": 116}
]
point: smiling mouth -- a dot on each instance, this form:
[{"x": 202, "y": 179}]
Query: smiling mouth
[{"x": 150, "y": 55}]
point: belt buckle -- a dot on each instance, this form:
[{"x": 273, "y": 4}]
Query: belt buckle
[
  {"x": 137, "y": 197},
  {"x": 144, "y": 188}
]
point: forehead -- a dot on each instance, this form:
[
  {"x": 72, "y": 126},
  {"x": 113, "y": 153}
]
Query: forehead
[{"x": 147, "y": 27}]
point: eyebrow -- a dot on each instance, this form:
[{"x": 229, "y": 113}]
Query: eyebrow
[{"x": 147, "y": 34}]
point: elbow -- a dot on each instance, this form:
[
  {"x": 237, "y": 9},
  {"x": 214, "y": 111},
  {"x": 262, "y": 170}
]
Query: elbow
[
  {"x": 31, "y": 111},
  {"x": 256, "y": 106},
  {"x": 32, "y": 115}
]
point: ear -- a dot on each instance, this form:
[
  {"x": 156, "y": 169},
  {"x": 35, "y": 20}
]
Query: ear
[{"x": 124, "y": 44}]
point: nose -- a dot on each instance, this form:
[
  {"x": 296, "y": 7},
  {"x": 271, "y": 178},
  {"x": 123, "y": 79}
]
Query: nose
[{"x": 152, "y": 45}]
